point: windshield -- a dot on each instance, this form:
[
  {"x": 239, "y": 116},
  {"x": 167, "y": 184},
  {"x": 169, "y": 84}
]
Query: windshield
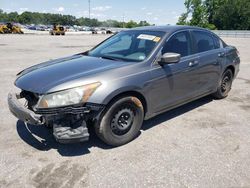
[{"x": 133, "y": 46}]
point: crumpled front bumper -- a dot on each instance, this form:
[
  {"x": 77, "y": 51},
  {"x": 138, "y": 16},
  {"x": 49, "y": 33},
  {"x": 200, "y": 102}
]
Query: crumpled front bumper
[
  {"x": 63, "y": 131},
  {"x": 22, "y": 113}
]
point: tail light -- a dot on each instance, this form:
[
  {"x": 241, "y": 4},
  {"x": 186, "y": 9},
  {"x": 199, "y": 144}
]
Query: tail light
[{"x": 238, "y": 53}]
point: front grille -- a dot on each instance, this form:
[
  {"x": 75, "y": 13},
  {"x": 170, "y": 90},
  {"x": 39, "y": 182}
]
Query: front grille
[{"x": 62, "y": 110}]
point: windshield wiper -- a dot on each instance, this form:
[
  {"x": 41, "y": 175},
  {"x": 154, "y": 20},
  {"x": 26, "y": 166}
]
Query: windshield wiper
[{"x": 110, "y": 58}]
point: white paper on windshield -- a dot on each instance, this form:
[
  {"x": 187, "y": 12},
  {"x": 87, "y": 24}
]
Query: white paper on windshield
[{"x": 146, "y": 37}]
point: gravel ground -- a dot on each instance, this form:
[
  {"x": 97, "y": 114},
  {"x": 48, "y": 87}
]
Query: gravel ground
[{"x": 205, "y": 143}]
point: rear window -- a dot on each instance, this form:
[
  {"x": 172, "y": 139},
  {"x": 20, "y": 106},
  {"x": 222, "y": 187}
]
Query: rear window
[
  {"x": 217, "y": 42},
  {"x": 204, "y": 41}
]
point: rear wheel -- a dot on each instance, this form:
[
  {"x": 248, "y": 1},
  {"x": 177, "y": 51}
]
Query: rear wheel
[
  {"x": 225, "y": 85},
  {"x": 121, "y": 122}
]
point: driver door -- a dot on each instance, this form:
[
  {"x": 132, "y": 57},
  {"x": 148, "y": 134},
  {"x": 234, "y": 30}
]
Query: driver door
[{"x": 175, "y": 83}]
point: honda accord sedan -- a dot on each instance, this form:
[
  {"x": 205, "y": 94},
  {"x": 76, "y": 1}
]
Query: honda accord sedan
[{"x": 128, "y": 78}]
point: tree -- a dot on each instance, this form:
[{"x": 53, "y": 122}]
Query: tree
[
  {"x": 220, "y": 14},
  {"x": 50, "y": 19},
  {"x": 233, "y": 15},
  {"x": 13, "y": 16},
  {"x": 212, "y": 7},
  {"x": 196, "y": 11},
  {"x": 131, "y": 24},
  {"x": 183, "y": 19},
  {"x": 3, "y": 15},
  {"x": 25, "y": 18},
  {"x": 143, "y": 23}
]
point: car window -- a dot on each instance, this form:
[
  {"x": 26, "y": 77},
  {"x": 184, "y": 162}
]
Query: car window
[
  {"x": 123, "y": 44},
  {"x": 179, "y": 43},
  {"x": 203, "y": 41},
  {"x": 217, "y": 43},
  {"x": 142, "y": 44},
  {"x": 130, "y": 45}
]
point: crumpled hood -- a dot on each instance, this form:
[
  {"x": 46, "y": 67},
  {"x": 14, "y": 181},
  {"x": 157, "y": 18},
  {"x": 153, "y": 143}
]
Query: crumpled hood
[{"x": 42, "y": 77}]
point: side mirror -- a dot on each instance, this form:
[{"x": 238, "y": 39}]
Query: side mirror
[{"x": 169, "y": 58}]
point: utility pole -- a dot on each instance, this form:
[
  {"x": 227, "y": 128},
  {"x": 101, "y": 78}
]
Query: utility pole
[
  {"x": 89, "y": 9},
  {"x": 123, "y": 19}
]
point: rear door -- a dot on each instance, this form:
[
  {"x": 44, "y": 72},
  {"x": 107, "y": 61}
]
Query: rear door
[{"x": 210, "y": 58}]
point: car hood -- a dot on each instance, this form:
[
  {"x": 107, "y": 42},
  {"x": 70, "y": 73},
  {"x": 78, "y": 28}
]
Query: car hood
[{"x": 42, "y": 77}]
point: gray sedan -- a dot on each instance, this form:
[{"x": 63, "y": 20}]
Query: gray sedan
[{"x": 132, "y": 76}]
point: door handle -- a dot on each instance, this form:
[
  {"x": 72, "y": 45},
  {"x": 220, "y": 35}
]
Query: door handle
[
  {"x": 221, "y": 54},
  {"x": 193, "y": 63},
  {"x": 216, "y": 62}
]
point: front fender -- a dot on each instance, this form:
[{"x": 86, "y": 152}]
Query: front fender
[
  {"x": 119, "y": 91},
  {"x": 104, "y": 95}
]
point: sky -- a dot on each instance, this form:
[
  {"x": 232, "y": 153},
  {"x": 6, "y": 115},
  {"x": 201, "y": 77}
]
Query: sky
[{"x": 159, "y": 12}]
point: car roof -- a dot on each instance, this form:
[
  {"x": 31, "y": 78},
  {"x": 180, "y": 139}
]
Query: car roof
[{"x": 168, "y": 28}]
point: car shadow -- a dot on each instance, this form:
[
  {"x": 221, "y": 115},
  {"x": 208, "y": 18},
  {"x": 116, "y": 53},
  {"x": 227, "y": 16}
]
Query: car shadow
[
  {"x": 41, "y": 137},
  {"x": 176, "y": 112}
]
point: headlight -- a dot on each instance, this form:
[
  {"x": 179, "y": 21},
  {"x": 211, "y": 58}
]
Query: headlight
[{"x": 68, "y": 97}]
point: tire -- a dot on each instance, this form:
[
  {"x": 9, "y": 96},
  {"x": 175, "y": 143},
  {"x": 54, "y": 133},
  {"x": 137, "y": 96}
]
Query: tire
[
  {"x": 121, "y": 121},
  {"x": 225, "y": 85}
]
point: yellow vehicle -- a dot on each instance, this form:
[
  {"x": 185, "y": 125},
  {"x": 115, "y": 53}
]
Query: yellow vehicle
[
  {"x": 57, "y": 30},
  {"x": 10, "y": 28}
]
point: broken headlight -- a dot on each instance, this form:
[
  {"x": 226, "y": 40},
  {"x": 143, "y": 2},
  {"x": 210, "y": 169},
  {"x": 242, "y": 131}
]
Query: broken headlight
[{"x": 67, "y": 97}]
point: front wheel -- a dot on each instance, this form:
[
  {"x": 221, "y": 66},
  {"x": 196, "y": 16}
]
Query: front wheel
[
  {"x": 121, "y": 121},
  {"x": 225, "y": 85}
]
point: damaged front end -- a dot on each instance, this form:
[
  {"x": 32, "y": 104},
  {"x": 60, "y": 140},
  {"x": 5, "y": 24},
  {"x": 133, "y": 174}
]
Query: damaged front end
[{"x": 69, "y": 122}]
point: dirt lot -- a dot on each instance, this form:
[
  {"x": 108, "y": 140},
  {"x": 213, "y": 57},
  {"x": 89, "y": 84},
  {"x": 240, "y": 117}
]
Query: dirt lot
[{"x": 203, "y": 144}]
